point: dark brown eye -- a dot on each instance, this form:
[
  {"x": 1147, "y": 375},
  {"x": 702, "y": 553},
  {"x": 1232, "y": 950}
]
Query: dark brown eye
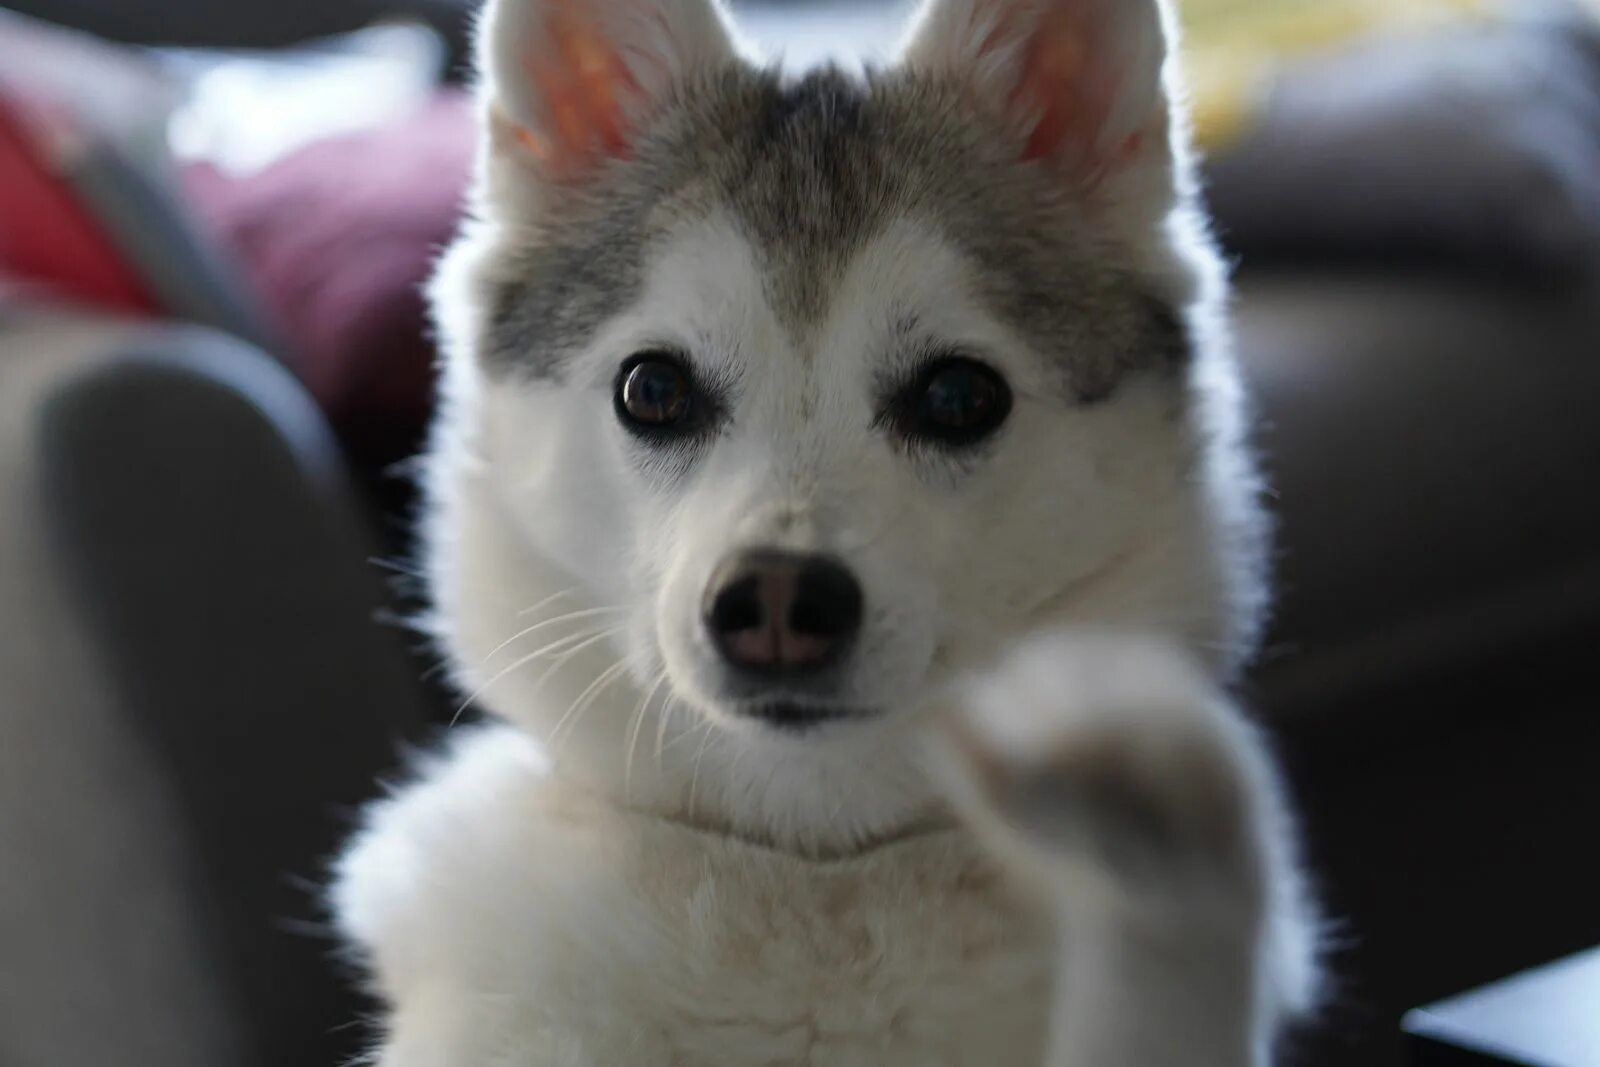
[
  {"x": 954, "y": 402},
  {"x": 655, "y": 394}
]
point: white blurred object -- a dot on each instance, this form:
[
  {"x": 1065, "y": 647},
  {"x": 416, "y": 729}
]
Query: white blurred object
[
  {"x": 848, "y": 32},
  {"x": 245, "y": 110},
  {"x": 105, "y": 90}
]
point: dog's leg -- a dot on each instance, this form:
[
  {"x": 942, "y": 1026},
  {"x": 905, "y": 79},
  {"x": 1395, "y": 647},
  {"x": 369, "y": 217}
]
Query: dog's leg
[{"x": 1114, "y": 778}]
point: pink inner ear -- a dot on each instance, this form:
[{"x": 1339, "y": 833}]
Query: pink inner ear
[
  {"x": 581, "y": 84},
  {"x": 1067, "y": 88}
]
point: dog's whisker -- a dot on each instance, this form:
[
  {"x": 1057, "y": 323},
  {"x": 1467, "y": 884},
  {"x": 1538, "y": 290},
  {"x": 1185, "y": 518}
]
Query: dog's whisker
[
  {"x": 547, "y": 601},
  {"x": 694, "y": 779},
  {"x": 667, "y": 709},
  {"x": 844, "y": 799},
  {"x": 567, "y": 656},
  {"x": 585, "y": 700},
  {"x": 615, "y": 608},
  {"x": 571, "y": 616},
  {"x": 562, "y": 643},
  {"x": 636, "y": 727},
  {"x": 685, "y": 734},
  {"x": 618, "y": 671},
  {"x": 733, "y": 768},
  {"x": 585, "y": 639}
]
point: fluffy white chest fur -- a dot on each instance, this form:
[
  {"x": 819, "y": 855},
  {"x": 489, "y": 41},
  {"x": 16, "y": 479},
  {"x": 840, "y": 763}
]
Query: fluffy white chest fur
[{"x": 525, "y": 924}]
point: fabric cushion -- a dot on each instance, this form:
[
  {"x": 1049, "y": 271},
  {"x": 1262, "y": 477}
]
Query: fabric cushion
[{"x": 339, "y": 239}]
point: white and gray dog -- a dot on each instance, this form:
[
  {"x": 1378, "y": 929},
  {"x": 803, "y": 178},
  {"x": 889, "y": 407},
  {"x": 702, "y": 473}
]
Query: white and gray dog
[{"x": 840, "y": 497}]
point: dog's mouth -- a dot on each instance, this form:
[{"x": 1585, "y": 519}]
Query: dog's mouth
[{"x": 793, "y": 716}]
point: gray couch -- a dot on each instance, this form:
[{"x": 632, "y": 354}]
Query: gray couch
[{"x": 196, "y": 685}]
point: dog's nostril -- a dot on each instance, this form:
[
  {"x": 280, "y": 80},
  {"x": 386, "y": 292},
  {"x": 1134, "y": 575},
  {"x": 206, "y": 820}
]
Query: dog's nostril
[
  {"x": 737, "y": 606},
  {"x": 771, "y": 611},
  {"x": 827, "y": 600}
]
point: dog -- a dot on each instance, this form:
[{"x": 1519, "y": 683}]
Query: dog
[{"x": 841, "y": 497}]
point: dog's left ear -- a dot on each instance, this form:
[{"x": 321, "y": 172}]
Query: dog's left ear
[
  {"x": 571, "y": 83},
  {"x": 1080, "y": 81}
]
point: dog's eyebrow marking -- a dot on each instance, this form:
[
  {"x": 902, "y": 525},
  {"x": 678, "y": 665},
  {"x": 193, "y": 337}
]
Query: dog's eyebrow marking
[
  {"x": 907, "y": 326},
  {"x": 549, "y": 299}
]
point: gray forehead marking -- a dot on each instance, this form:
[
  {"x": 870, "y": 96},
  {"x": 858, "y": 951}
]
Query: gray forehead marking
[{"x": 810, "y": 170}]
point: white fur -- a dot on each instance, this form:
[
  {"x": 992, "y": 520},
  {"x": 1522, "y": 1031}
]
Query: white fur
[
  {"x": 628, "y": 875},
  {"x": 518, "y": 921}
]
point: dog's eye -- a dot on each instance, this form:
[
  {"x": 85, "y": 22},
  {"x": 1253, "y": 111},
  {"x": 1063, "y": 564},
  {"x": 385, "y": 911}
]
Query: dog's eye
[
  {"x": 654, "y": 393},
  {"x": 953, "y": 402}
]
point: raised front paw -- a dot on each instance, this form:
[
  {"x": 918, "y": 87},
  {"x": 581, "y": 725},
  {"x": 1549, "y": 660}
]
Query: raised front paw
[{"x": 1109, "y": 762}]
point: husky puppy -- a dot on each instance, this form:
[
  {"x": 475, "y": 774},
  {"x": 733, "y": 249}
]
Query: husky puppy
[{"x": 839, "y": 496}]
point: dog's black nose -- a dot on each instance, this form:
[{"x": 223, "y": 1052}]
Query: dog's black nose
[{"x": 775, "y": 612}]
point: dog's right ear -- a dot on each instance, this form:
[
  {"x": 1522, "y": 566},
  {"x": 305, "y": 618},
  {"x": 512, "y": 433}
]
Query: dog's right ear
[
  {"x": 571, "y": 83},
  {"x": 1080, "y": 82}
]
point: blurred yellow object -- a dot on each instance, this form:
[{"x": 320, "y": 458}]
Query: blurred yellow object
[{"x": 1232, "y": 48}]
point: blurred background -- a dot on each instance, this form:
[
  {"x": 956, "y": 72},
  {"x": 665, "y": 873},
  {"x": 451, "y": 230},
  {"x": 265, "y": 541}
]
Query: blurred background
[{"x": 214, "y": 219}]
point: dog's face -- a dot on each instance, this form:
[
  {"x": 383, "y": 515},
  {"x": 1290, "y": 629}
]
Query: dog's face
[{"x": 823, "y": 387}]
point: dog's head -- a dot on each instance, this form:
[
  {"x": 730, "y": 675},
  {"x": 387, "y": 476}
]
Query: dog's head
[{"x": 802, "y": 394}]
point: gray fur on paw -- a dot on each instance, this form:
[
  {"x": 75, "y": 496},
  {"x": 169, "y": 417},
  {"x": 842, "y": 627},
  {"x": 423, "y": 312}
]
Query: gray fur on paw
[{"x": 1109, "y": 761}]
